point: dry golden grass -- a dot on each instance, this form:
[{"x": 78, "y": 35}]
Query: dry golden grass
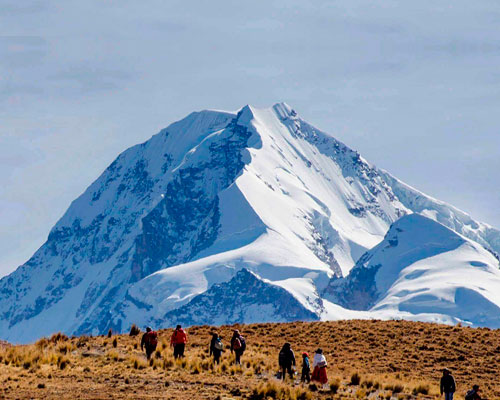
[{"x": 367, "y": 359}]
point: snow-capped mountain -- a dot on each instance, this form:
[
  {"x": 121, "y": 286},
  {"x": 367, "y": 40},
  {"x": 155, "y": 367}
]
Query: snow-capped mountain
[
  {"x": 422, "y": 267},
  {"x": 210, "y": 195}
]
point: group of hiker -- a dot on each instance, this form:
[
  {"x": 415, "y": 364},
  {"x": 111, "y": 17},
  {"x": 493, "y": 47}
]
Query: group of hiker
[
  {"x": 178, "y": 341},
  {"x": 286, "y": 359}
]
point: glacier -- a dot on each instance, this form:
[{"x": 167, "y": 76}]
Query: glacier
[{"x": 216, "y": 193}]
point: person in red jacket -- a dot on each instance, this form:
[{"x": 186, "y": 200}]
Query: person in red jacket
[
  {"x": 178, "y": 341},
  {"x": 150, "y": 341}
]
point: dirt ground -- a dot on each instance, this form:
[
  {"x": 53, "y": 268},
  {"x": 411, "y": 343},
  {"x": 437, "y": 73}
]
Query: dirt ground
[{"x": 367, "y": 359}]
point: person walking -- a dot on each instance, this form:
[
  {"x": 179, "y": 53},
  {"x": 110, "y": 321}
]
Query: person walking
[
  {"x": 178, "y": 341},
  {"x": 306, "y": 369},
  {"x": 238, "y": 345},
  {"x": 216, "y": 348},
  {"x": 149, "y": 341},
  {"x": 319, "y": 368},
  {"x": 286, "y": 360},
  {"x": 447, "y": 385}
]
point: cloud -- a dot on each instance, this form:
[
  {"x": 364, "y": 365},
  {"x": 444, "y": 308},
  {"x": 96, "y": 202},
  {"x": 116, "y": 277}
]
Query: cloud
[{"x": 85, "y": 79}]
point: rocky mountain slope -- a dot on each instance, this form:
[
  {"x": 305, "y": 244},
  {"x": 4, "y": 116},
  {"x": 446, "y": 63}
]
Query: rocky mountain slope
[{"x": 214, "y": 193}]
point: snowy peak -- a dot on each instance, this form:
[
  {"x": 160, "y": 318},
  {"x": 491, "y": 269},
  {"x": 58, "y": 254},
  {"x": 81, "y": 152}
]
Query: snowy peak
[
  {"x": 219, "y": 192},
  {"x": 422, "y": 267}
]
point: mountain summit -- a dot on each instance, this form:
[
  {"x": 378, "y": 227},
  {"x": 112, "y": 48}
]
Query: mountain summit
[{"x": 258, "y": 190}]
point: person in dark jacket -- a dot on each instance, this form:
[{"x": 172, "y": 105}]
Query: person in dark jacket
[
  {"x": 216, "y": 348},
  {"x": 149, "y": 341},
  {"x": 238, "y": 345},
  {"x": 447, "y": 385},
  {"x": 286, "y": 360},
  {"x": 473, "y": 394},
  {"x": 306, "y": 369}
]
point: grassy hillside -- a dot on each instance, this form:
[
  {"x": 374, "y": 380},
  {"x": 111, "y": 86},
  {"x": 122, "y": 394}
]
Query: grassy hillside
[{"x": 396, "y": 359}]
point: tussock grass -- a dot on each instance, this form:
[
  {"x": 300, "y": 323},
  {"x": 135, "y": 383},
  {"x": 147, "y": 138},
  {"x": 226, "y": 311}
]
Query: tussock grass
[{"x": 367, "y": 359}]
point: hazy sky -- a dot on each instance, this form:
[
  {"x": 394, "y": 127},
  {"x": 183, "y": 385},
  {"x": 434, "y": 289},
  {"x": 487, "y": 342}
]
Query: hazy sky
[{"x": 413, "y": 86}]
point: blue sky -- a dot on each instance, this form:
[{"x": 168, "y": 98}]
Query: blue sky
[{"x": 413, "y": 86}]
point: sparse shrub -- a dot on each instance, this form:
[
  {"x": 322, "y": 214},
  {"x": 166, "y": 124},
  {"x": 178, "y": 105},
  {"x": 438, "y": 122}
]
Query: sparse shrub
[
  {"x": 82, "y": 341},
  {"x": 137, "y": 363},
  {"x": 334, "y": 386},
  {"x": 397, "y": 388},
  {"x": 421, "y": 389},
  {"x": 58, "y": 337},
  {"x": 134, "y": 330},
  {"x": 42, "y": 343},
  {"x": 110, "y": 333},
  {"x": 63, "y": 363},
  {"x": 41, "y": 386},
  {"x": 64, "y": 348},
  {"x": 367, "y": 384},
  {"x": 355, "y": 379},
  {"x": 114, "y": 355},
  {"x": 115, "y": 342},
  {"x": 86, "y": 369},
  {"x": 158, "y": 354}
]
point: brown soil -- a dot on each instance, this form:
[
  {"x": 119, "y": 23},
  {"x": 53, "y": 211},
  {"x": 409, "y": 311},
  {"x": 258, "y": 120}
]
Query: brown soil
[{"x": 397, "y": 359}]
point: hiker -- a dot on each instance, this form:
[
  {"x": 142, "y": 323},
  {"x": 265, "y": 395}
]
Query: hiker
[
  {"x": 216, "y": 347},
  {"x": 238, "y": 345},
  {"x": 319, "y": 368},
  {"x": 178, "y": 341},
  {"x": 286, "y": 359},
  {"x": 149, "y": 341},
  {"x": 447, "y": 385},
  {"x": 473, "y": 393},
  {"x": 306, "y": 369}
]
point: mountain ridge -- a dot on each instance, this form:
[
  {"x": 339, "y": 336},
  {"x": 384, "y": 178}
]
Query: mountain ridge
[{"x": 209, "y": 195}]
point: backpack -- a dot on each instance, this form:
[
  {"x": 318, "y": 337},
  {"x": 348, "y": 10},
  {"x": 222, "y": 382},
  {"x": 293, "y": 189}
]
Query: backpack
[
  {"x": 470, "y": 395},
  {"x": 243, "y": 344},
  {"x": 237, "y": 344},
  {"x": 218, "y": 345},
  {"x": 151, "y": 339}
]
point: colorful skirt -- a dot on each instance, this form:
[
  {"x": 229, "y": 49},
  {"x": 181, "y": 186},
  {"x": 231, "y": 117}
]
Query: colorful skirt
[{"x": 319, "y": 375}]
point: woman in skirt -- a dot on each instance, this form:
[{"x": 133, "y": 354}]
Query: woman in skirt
[{"x": 319, "y": 368}]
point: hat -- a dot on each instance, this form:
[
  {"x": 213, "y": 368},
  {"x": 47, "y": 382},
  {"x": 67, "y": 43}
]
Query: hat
[
  {"x": 475, "y": 387},
  {"x": 148, "y": 329},
  {"x": 319, "y": 351},
  {"x": 305, "y": 354},
  {"x": 178, "y": 327}
]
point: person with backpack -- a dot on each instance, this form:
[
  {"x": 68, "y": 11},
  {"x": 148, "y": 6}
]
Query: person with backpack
[
  {"x": 306, "y": 369},
  {"x": 178, "y": 341},
  {"x": 149, "y": 341},
  {"x": 473, "y": 394},
  {"x": 238, "y": 345},
  {"x": 319, "y": 368},
  {"x": 447, "y": 385},
  {"x": 286, "y": 360},
  {"x": 216, "y": 348}
]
